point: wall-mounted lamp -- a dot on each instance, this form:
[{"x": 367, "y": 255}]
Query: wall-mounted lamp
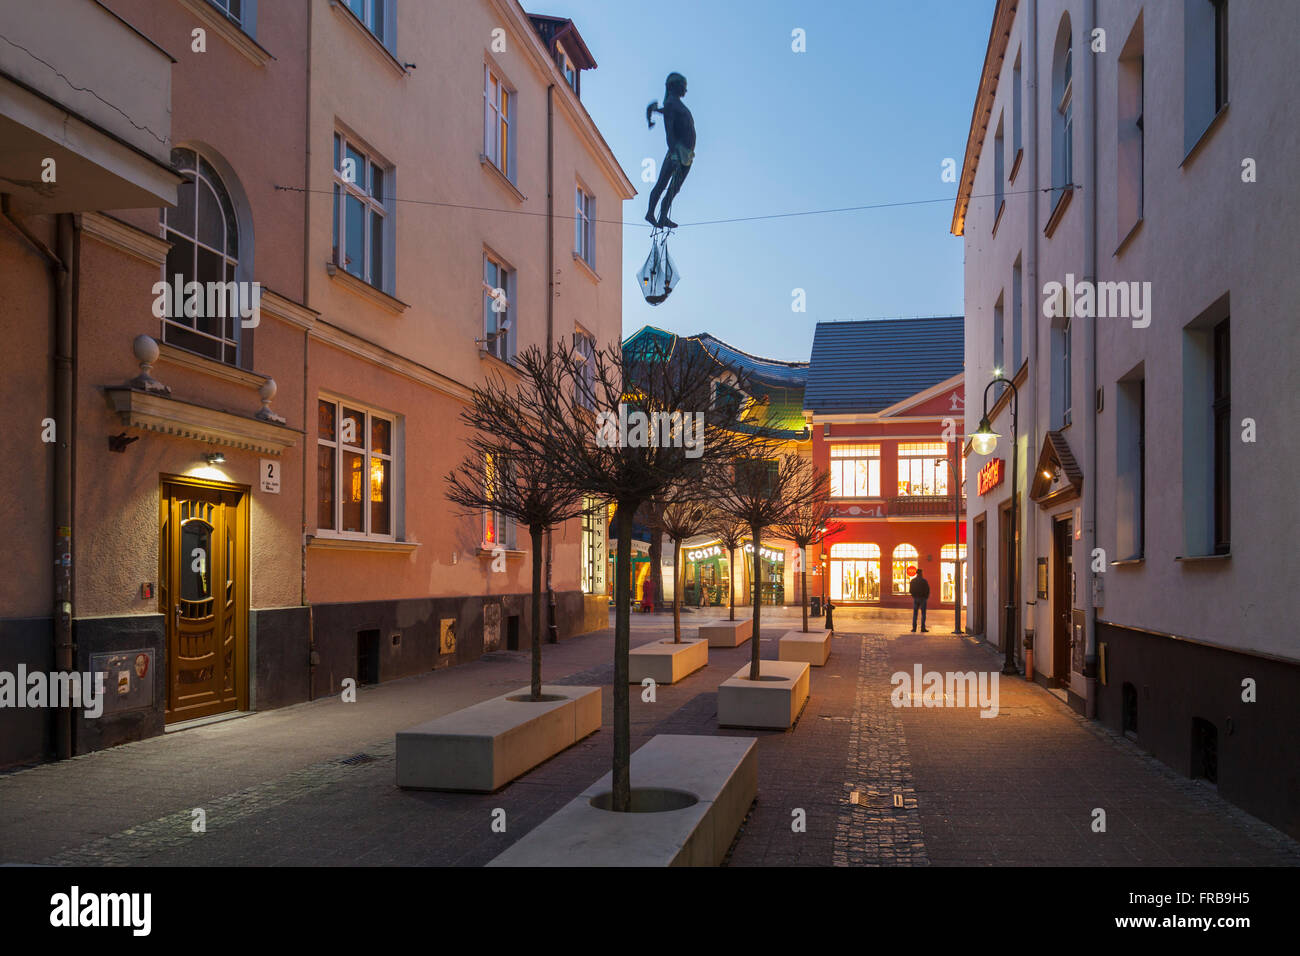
[{"x": 215, "y": 458}]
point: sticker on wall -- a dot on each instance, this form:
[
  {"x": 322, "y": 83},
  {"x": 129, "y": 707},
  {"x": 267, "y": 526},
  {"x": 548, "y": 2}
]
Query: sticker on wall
[
  {"x": 129, "y": 672},
  {"x": 491, "y": 627},
  {"x": 447, "y": 636}
]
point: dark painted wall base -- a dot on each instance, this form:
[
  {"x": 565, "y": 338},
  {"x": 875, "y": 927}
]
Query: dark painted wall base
[
  {"x": 1184, "y": 705},
  {"x": 98, "y": 635},
  {"x": 26, "y": 735}
]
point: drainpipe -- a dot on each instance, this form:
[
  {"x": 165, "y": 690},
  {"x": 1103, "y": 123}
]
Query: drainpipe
[
  {"x": 61, "y": 610},
  {"x": 1030, "y": 312},
  {"x": 313, "y": 656},
  {"x": 1090, "y": 366},
  {"x": 552, "y": 631}
]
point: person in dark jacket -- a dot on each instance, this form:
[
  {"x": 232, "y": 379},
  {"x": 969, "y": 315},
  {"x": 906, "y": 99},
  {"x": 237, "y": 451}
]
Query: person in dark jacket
[{"x": 920, "y": 589}]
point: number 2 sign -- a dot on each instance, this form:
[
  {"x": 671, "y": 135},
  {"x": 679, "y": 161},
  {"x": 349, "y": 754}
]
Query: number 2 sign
[{"x": 269, "y": 469}]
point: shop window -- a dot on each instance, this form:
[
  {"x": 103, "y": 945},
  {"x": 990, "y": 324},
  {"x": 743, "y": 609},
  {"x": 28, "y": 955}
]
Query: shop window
[
  {"x": 904, "y": 566},
  {"x": 855, "y": 471},
  {"x": 952, "y": 568},
  {"x": 854, "y": 572}
]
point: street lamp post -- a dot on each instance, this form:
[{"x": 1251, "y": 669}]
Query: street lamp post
[
  {"x": 983, "y": 441},
  {"x": 956, "y": 538}
]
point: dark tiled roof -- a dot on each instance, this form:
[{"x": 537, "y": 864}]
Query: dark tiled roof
[
  {"x": 779, "y": 384},
  {"x": 867, "y": 366}
]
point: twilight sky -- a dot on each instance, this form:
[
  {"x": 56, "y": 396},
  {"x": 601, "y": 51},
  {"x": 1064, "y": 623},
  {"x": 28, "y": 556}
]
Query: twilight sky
[{"x": 866, "y": 115}]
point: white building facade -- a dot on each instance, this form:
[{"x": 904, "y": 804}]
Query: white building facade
[{"x": 1131, "y": 229}]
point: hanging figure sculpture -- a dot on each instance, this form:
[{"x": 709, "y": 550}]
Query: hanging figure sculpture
[{"x": 679, "y": 128}]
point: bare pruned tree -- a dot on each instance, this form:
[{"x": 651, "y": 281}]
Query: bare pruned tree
[
  {"x": 643, "y": 421},
  {"x": 504, "y": 473},
  {"x": 807, "y": 525},
  {"x": 684, "y": 516},
  {"x": 732, "y": 534},
  {"x": 765, "y": 487}
]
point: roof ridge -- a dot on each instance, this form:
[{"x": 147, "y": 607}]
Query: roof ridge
[{"x": 751, "y": 355}]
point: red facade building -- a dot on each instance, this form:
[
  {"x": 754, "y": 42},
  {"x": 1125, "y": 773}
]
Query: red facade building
[{"x": 886, "y": 402}]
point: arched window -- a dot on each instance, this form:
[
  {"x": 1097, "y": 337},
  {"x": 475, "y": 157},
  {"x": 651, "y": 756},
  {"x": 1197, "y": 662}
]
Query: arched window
[
  {"x": 203, "y": 231},
  {"x": 854, "y": 571},
  {"x": 905, "y": 563},
  {"x": 1062, "y": 110}
]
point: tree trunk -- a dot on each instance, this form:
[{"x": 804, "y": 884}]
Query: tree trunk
[
  {"x": 656, "y": 566},
  {"x": 677, "y": 593},
  {"x": 803, "y": 580},
  {"x": 731, "y": 581},
  {"x": 536, "y": 534},
  {"x": 756, "y": 585},
  {"x": 622, "y": 634}
]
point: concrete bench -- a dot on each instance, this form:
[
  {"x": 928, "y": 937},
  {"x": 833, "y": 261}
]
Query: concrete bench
[
  {"x": 727, "y": 633},
  {"x": 483, "y": 747},
  {"x": 772, "y": 703},
  {"x": 710, "y": 781},
  {"x": 665, "y": 662},
  {"x": 813, "y": 647}
]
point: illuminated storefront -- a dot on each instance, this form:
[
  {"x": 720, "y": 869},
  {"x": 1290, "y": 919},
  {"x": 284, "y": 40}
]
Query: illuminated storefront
[
  {"x": 855, "y": 572},
  {"x": 706, "y": 582},
  {"x": 952, "y": 567},
  {"x": 771, "y": 572}
]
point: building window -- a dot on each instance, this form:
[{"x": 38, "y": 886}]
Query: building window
[
  {"x": 1130, "y": 466},
  {"x": 999, "y": 344},
  {"x": 584, "y": 226},
  {"x": 1222, "y": 410},
  {"x": 234, "y": 11},
  {"x": 584, "y": 382},
  {"x": 498, "y": 308},
  {"x": 566, "y": 66},
  {"x": 999, "y": 173},
  {"x": 1205, "y": 66},
  {"x": 203, "y": 231},
  {"x": 1062, "y": 112},
  {"x": 498, "y": 529},
  {"x": 354, "y": 469},
  {"x": 498, "y": 120},
  {"x": 361, "y": 222},
  {"x": 1015, "y": 108},
  {"x": 922, "y": 468},
  {"x": 1017, "y": 320},
  {"x": 855, "y": 572},
  {"x": 952, "y": 568},
  {"x": 1129, "y": 136},
  {"x": 593, "y": 546},
  {"x": 1067, "y": 386},
  {"x": 855, "y": 471},
  {"x": 371, "y": 13},
  {"x": 905, "y": 566}
]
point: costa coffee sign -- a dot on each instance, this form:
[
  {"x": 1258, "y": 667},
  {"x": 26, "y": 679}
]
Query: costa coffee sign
[{"x": 990, "y": 476}]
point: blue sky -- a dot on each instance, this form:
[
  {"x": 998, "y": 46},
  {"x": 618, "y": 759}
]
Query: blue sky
[{"x": 866, "y": 115}]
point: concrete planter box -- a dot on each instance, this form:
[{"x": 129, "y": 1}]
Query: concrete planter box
[
  {"x": 708, "y": 783},
  {"x": 727, "y": 633},
  {"x": 771, "y": 703},
  {"x": 665, "y": 662},
  {"x": 813, "y": 648},
  {"x": 484, "y": 747}
]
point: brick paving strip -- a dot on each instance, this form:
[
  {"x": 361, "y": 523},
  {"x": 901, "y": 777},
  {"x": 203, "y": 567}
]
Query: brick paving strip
[{"x": 873, "y": 829}]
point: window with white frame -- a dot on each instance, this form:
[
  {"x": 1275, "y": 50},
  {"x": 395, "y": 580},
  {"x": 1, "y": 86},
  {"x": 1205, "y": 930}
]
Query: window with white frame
[
  {"x": 355, "y": 477},
  {"x": 584, "y": 382},
  {"x": 498, "y": 308},
  {"x": 242, "y": 13},
  {"x": 563, "y": 61},
  {"x": 855, "y": 471},
  {"x": 922, "y": 468},
  {"x": 999, "y": 171},
  {"x": 1015, "y": 109},
  {"x": 498, "y": 121},
  {"x": 584, "y": 226},
  {"x": 361, "y": 222},
  {"x": 372, "y": 14},
  {"x": 498, "y": 529},
  {"x": 1063, "y": 111},
  {"x": 203, "y": 230},
  {"x": 905, "y": 565}
]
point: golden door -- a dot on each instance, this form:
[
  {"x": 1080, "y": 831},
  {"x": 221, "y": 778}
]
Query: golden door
[{"x": 203, "y": 594}]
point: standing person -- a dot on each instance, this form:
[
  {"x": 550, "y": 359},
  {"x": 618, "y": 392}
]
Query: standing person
[{"x": 920, "y": 589}]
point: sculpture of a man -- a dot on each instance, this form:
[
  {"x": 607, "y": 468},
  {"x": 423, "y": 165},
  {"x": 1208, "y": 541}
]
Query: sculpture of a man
[{"x": 679, "y": 128}]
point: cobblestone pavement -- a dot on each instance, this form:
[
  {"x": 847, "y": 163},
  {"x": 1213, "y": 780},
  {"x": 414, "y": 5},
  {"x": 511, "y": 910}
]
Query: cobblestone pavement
[{"x": 276, "y": 790}]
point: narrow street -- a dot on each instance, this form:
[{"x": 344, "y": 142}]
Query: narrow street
[{"x": 1020, "y": 788}]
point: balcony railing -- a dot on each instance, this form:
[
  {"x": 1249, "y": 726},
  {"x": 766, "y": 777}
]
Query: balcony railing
[{"x": 923, "y": 506}]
